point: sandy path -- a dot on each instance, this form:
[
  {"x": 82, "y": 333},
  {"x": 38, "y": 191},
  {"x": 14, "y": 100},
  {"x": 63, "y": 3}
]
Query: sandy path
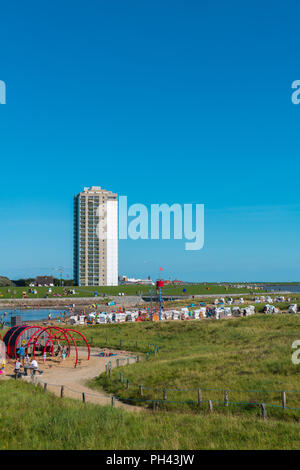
[{"x": 56, "y": 374}]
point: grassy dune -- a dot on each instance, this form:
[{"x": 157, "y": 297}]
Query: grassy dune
[
  {"x": 33, "y": 420},
  {"x": 243, "y": 354},
  {"x": 250, "y": 357}
]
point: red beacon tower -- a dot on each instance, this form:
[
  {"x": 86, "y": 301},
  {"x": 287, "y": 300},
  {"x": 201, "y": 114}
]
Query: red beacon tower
[{"x": 160, "y": 283}]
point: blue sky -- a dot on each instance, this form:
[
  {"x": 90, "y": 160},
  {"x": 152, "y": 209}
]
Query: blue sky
[{"x": 162, "y": 101}]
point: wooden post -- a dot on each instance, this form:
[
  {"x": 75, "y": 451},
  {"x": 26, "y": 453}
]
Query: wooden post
[
  {"x": 226, "y": 397},
  {"x": 164, "y": 394},
  {"x": 283, "y": 399},
  {"x": 112, "y": 401},
  {"x": 210, "y": 406},
  {"x": 155, "y": 406},
  {"x": 263, "y": 411},
  {"x": 141, "y": 390},
  {"x": 83, "y": 397},
  {"x": 62, "y": 391},
  {"x": 199, "y": 396},
  {"x": 45, "y": 387},
  {"x": 118, "y": 362},
  {"x": 127, "y": 360},
  {"x": 137, "y": 358}
]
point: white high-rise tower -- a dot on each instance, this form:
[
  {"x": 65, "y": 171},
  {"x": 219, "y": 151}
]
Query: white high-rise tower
[{"x": 96, "y": 237}]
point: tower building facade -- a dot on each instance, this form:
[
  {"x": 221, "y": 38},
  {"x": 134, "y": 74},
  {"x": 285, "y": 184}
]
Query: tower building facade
[{"x": 96, "y": 237}]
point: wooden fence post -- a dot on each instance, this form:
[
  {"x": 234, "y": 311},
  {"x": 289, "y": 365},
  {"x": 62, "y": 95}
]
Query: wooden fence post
[
  {"x": 118, "y": 362},
  {"x": 83, "y": 397},
  {"x": 226, "y": 397},
  {"x": 263, "y": 411},
  {"x": 210, "y": 405},
  {"x": 199, "y": 396},
  {"x": 62, "y": 391},
  {"x": 283, "y": 399},
  {"x": 112, "y": 401},
  {"x": 137, "y": 358},
  {"x": 45, "y": 387},
  {"x": 141, "y": 390},
  {"x": 164, "y": 394}
]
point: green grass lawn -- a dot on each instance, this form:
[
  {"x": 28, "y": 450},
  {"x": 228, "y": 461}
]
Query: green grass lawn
[
  {"x": 31, "y": 419},
  {"x": 191, "y": 289},
  {"x": 250, "y": 357},
  {"x": 241, "y": 355}
]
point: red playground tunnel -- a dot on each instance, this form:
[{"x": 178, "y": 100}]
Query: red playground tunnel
[{"x": 36, "y": 339}]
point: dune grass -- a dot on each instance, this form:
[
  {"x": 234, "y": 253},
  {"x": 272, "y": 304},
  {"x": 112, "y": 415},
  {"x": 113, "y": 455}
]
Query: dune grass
[
  {"x": 250, "y": 357},
  {"x": 252, "y": 353},
  {"x": 33, "y": 420}
]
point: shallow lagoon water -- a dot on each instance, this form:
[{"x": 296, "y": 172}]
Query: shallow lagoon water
[{"x": 32, "y": 314}]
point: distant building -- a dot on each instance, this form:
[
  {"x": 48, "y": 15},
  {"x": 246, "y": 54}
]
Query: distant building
[
  {"x": 132, "y": 280},
  {"x": 46, "y": 281},
  {"x": 96, "y": 251},
  {"x": 173, "y": 282}
]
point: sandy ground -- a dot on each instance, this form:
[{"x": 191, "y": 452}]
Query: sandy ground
[{"x": 57, "y": 373}]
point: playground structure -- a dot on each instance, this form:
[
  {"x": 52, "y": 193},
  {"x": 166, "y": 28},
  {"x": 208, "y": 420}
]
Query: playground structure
[{"x": 43, "y": 340}]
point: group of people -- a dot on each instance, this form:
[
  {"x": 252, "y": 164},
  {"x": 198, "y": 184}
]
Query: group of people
[
  {"x": 33, "y": 367},
  {"x": 62, "y": 316},
  {"x": 23, "y": 361},
  {"x": 62, "y": 351}
]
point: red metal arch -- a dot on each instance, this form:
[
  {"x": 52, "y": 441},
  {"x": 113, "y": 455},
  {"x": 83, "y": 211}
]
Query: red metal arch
[
  {"x": 53, "y": 332},
  {"x": 8, "y": 344},
  {"x": 59, "y": 330},
  {"x": 16, "y": 341},
  {"x": 64, "y": 332},
  {"x": 41, "y": 330},
  {"x": 45, "y": 329},
  {"x": 84, "y": 339}
]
